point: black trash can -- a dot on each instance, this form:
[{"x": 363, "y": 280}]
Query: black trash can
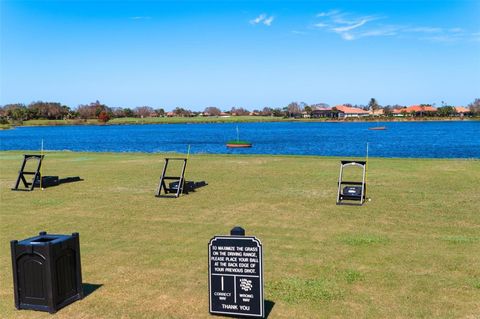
[{"x": 47, "y": 273}]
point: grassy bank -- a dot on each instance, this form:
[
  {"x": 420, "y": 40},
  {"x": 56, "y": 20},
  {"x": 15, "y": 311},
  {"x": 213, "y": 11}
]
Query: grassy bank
[
  {"x": 412, "y": 252},
  {"x": 232, "y": 119},
  {"x": 157, "y": 120},
  {"x": 5, "y": 126}
]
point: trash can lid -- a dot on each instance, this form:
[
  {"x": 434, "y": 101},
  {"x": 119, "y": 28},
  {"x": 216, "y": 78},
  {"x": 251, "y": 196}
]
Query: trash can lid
[{"x": 44, "y": 239}]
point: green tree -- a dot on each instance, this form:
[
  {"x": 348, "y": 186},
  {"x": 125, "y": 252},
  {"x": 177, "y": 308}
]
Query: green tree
[
  {"x": 128, "y": 112},
  {"x": 16, "y": 112},
  {"x": 446, "y": 110},
  {"x": 48, "y": 110},
  {"x": 160, "y": 112},
  {"x": 92, "y": 110},
  {"x": 277, "y": 112},
  {"x": 308, "y": 109},
  {"x": 180, "y": 111},
  {"x": 373, "y": 105}
]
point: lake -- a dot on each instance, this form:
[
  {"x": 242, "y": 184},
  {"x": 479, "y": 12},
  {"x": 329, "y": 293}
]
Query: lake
[{"x": 449, "y": 139}]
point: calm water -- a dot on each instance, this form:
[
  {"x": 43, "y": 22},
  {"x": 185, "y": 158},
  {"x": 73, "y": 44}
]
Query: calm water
[{"x": 460, "y": 139}]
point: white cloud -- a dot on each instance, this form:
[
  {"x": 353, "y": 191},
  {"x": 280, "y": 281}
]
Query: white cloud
[
  {"x": 343, "y": 23},
  {"x": 350, "y": 27},
  {"x": 258, "y": 19},
  {"x": 268, "y": 21},
  {"x": 347, "y": 36},
  {"x": 263, "y": 19},
  {"x": 388, "y": 31},
  {"x": 349, "y": 19},
  {"x": 327, "y": 13}
]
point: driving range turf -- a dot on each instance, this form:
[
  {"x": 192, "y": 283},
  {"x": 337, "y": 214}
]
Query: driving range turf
[{"x": 411, "y": 252}]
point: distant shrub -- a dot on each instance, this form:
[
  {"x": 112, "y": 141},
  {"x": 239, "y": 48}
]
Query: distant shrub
[{"x": 103, "y": 117}]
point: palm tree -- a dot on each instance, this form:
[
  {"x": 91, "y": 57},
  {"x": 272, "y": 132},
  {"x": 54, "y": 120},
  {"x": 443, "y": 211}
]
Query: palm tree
[{"x": 373, "y": 105}]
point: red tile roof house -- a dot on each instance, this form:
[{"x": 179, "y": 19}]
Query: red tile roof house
[
  {"x": 421, "y": 110},
  {"x": 346, "y": 111},
  {"x": 415, "y": 110},
  {"x": 399, "y": 112},
  {"x": 462, "y": 111},
  {"x": 322, "y": 112},
  {"x": 378, "y": 112}
]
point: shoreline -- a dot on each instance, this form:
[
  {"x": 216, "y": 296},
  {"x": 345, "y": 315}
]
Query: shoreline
[
  {"x": 229, "y": 155},
  {"x": 216, "y": 120}
]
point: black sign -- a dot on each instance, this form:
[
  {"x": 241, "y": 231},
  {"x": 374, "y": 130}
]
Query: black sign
[{"x": 235, "y": 273}]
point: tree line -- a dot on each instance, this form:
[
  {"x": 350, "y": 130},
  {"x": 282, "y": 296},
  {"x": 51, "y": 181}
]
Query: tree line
[
  {"x": 102, "y": 112},
  {"x": 58, "y": 111}
]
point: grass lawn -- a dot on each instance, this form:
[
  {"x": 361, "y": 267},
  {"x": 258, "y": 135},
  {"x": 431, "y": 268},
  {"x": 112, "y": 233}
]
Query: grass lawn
[
  {"x": 5, "y": 126},
  {"x": 412, "y": 252},
  {"x": 196, "y": 119},
  {"x": 212, "y": 119},
  {"x": 159, "y": 120}
]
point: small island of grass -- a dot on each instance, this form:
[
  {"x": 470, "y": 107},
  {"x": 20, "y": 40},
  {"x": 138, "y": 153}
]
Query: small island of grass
[{"x": 238, "y": 143}]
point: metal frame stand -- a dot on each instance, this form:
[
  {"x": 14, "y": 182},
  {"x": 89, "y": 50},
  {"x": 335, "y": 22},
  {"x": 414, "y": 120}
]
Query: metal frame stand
[
  {"x": 29, "y": 186},
  {"x": 180, "y": 189},
  {"x": 344, "y": 198}
]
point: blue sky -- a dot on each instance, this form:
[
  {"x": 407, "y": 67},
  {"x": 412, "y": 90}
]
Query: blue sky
[{"x": 253, "y": 54}]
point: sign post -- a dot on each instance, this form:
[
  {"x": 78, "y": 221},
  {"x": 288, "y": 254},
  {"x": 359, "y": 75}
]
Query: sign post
[{"x": 235, "y": 275}]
